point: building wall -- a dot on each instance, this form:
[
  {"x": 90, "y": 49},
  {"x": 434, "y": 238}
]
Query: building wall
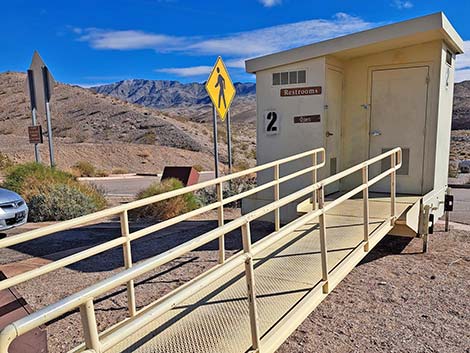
[
  {"x": 443, "y": 131},
  {"x": 292, "y": 138},
  {"x": 296, "y": 138},
  {"x": 356, "y": 118}
]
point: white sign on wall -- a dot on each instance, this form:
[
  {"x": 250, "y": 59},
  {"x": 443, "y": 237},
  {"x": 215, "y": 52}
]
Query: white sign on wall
[{"x": 271, "y": 122}]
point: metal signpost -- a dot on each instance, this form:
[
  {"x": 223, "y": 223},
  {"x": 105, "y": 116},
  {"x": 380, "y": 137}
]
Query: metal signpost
[
  {"x": 32, "y": 97},
  {"x": 221, "y": 90},
  {"x": 40, "y": 84}
]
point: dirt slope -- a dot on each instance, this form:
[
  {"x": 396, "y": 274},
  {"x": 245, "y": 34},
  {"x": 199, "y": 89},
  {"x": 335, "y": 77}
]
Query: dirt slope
[{"x": 105, "y": 130}]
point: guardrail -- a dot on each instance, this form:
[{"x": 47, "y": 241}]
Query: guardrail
[{"x": 84, "y": 299}]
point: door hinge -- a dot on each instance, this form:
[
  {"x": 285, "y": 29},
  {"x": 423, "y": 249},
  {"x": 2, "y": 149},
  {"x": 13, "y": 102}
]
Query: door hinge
[{"x": 428, "y": 79}]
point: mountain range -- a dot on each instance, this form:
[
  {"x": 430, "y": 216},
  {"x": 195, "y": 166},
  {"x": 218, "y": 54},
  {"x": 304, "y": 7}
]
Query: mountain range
[{"x": 190, "y": 100}]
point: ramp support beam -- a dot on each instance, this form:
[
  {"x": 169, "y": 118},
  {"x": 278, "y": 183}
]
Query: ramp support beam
[
  {"x": 323, "y": 246},
  {"x": 220, "y": 219},
  {"x": 127, "y": 252},
  {"x": 365, "y": 197},
  {"x": 250, "y": 282},
  {"x": 90, "y": 330}
]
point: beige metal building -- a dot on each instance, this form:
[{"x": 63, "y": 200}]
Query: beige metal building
[{"x": 357, "y": 96}]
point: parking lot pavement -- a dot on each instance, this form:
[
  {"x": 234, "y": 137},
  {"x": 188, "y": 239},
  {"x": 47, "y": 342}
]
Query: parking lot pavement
[
  {"x": 461, "y": 213},
  {"x": 129, "y": 186}
]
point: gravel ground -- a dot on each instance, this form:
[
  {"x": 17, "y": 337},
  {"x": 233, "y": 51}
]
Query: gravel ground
[{"x": 396, "y": 300}]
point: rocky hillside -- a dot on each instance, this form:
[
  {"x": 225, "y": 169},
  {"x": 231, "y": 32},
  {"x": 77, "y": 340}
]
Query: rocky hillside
[
  {"x": 461, "y": 117},
  {"x": 106, "y": 129},
  {"x": 183, "y": 99}
]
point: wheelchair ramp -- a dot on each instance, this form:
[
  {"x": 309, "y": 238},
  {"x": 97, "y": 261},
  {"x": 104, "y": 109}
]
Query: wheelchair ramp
[{"x": 287, "y": 275}]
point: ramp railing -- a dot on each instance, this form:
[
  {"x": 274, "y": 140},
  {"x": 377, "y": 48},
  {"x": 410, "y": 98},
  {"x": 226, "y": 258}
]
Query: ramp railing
[
  {"x": 316, "y": 158},
  {"x": 96, "y": 342}
]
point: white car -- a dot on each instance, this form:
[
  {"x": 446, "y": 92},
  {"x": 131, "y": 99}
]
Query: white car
[{"x": 13, "y": 210}]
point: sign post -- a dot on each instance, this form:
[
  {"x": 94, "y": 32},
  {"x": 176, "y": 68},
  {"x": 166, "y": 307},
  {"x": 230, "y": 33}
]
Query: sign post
[
  {"x": 39, "y": 86},
  {"x": 229, "y": 143},
  {"x": 47, "y": 98},
  {"x": 221, "y": 90},
  {"x": 32, "y": 97}
]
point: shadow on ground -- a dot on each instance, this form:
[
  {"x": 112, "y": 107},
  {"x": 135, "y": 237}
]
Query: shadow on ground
[{"x": 65, "y": 243}]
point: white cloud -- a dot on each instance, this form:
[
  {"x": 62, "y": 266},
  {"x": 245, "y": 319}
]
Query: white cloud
[
  {"x": 402, "y": 4},
  {"x": 126, "y": 40},
  {"x": 237, "y": 45},
  {"x": 187, "y": 71},
  {"x": 462, "y": 64},
  {"x": 270, "y": 3},
  {"x": 462, "y": 75}
]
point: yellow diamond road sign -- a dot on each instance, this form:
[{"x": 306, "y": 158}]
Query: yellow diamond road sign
[{"x": 220, "y": 88}]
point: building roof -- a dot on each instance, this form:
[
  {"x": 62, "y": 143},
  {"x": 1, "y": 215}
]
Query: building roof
[{"x": 397, "y": 35}]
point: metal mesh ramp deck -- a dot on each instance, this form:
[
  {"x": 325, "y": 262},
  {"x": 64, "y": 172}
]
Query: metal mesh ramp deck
[{"x": 216, "y": 319}]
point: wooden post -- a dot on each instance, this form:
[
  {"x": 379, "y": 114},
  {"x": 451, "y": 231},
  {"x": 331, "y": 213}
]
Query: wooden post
[
  {"x": 250, "y": 282},
  {"x": 277, "y": 211},
  {"x": 365, "y": 197},
  {"x": 90, "y": 329},
  {"x": 127, "y": 252},
  {"x": 393, "y": 189},
  {"x": 323, "y": 245},
  {"x": 220, "y": 219}
]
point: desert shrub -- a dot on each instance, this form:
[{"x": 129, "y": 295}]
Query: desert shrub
[
  {"x": 60, "y": 202},
  {"x": 5, "y": 161},
  {"x": 52, "y": 194},
  {"x": 120, "y": 171},
  {"x": 84, "y": 169},
  {"x": 165, "y": 209},
  {"x": 198, "y": 167},
  {"x": 209, "y": 195}
]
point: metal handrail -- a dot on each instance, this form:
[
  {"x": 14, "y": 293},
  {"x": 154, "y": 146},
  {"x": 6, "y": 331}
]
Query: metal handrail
[
  {"x": 84, "y": 299},
  {"x": 122, "y": 211}
]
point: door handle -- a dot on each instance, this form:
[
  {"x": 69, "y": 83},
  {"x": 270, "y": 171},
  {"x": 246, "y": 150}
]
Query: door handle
[
  {"x": 328, "y": 134},
  {"x": 376, "y": 133}
]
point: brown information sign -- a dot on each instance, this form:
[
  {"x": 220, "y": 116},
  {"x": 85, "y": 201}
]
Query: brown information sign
[
  {"x": 301, "y": 91},
  {"x": 35, "y": 134},
  {"x": 307, "y": 119}
]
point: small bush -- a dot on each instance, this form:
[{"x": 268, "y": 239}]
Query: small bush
[
  {"x": 5, "y": 161},
  {"x": 198, "y": 167},
  {"x": 120, "y": 171},
  {"x": 52, "y": 194},
  {"x": 165, "y": 209},
  {"x": 60, "y": 202},
  {"x": 236, "y": 186},
  {"x": 84, "y": 169}
]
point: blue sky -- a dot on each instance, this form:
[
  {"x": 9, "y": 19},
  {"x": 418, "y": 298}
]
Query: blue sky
[{"x": 91, "y": 42}]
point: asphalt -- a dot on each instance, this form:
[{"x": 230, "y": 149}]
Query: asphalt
[
  {"x": 129, "y": 186},
  {"x": 461, "y": 213}
]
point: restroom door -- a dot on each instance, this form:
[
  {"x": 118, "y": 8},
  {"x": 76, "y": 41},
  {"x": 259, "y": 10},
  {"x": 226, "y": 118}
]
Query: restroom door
[
  {"x": 334, "y": 95},
  {"x": 398, "y": 118}
]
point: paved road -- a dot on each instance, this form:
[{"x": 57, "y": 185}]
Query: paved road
[
  {"x": 129, "y": 186},
  {"x": 461, "y": 212}
]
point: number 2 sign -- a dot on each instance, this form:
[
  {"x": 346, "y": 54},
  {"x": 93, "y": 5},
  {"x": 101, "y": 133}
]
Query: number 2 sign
[{"x": 271, "y": 123}]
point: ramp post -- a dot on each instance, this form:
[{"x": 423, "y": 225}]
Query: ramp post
[
  {"x": 323, "y": 246},
  {"x": 393, "y": 188},
  {"x": 250, "y": 282},
  {"x": 427, "y": 211},
  {"x": 277, "y": 211},
  {"x": 127, "y": 253},
  {"x": 314, "y": 180},
  {"x": 220, "y": 219},
  {"x": 90, "y": 330},
  {"x": 365, "y": 197},
  {"x": 447, "y": 211}
]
